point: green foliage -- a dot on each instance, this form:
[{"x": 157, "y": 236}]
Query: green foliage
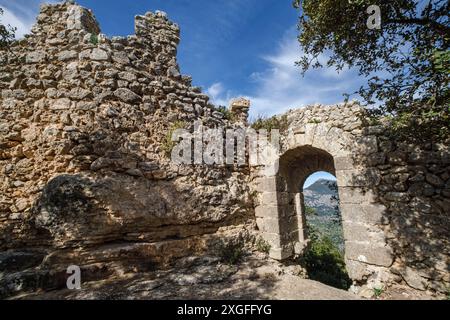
[
  {"x": 168, "y": 144},
  {"x": 411, "y": 49},
  {"x": 423, "y": 123},
  {"x": 232, "y": 251},
  {"x": 327, "y": 224},
  {"x": 377, "y": 292},
  {"x": 226, "y": 112},
  {"x": 269, "y": 123},
  {"x": 94, "y": 39},
  {"x": 262, "y": 245},
  {"x": 315, "y": 121},
  {"x": 310, "y": 211},
  {"x": 441, "y": 61},
  {"x": 324, "y": 262},
  {"x": 7, "y": 34}
]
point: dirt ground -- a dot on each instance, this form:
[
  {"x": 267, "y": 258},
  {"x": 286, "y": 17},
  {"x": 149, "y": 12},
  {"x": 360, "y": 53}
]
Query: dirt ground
[{"x": 208, "y": 278}]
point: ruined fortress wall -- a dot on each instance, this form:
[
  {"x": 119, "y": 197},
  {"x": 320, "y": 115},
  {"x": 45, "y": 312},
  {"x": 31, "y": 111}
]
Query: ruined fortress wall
[
  {"x": 85, "y": 126},
  {"x": 394, "y": 195},
  {"x": 86, "y": 177}
]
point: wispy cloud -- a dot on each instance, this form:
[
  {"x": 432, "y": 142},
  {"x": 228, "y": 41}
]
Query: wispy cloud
[
  {"x": 22, "y": 26},
  {"x": 21, "y": 14},
  {"x": 280, "y": 86}
]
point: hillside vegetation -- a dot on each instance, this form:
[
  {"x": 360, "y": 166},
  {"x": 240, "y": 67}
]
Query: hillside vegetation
[{"x": 324, "y": 258}]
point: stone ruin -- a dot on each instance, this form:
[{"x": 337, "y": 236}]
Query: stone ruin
[{"x": 87, "y": 180}]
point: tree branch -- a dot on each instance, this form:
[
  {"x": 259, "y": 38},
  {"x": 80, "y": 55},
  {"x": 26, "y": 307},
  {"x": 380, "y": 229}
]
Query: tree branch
[{"x": 442, "y": 29}]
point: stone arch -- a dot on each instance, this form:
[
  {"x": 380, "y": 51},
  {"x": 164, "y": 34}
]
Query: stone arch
[
  {"x": 280, "y": 214},
  {"x": 295, "y": 166}
]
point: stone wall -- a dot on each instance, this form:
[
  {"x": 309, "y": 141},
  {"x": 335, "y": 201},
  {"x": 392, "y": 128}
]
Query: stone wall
[
  {"x": 394, "y": 195},
  {"x": 85, "y": 123}
]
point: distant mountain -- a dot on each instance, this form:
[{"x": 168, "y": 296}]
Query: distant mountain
[{"x": 322, "y": 195}]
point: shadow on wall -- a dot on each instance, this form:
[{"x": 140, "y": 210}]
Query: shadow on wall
[
  {"x": 394, "y": 199},
  {"x": 114, "y": 206},
  {"x": 411, "y": 181},
  {"x": 116, "y": 193}
]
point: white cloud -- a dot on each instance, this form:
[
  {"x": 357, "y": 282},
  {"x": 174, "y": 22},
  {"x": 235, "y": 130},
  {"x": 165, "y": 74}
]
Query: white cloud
[
  {"x": 218, "y": 94},
  {"x": 21, "y": 14},
  {"x": 215, "y": 90},
  {"x": 281, "y": 86},
  {"x": 23, "y": 25}
]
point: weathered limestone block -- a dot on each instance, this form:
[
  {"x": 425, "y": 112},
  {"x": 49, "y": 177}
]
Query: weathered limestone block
[
  {"x": 83, "y": 125},
  {"x": 80, "y": 18},
  {"x": 269, "y": 225},
  {"x": 366, "y": 145},
  {"x": 308, "y": 137},
  {"x": 239, "y": 109},
  {"x": 356, "y": 270},
  {"x": 275, "y": 198},
  {"x": 358, "y": 178},
  {"x": 363, "y": 213},
  {"x": 67, "y": 55},
  {"x": 281, "y": 253},
  {"x": 343, "y": 163},
  {"x": 412, "y": 278},
  {"x": 273, "y": 239},
  {"x": 355, "y": 231},
  {"x": 36, "y": 57},
  {"x": 98, "y": 54},
  {"x": 60, "y": 104},
  {"x": 270, "y": 184},
  {"x": 127, "y": 96},
  {"x": 369, "y": 253},
  {"x": 351, "y": 195},
  {"x": 397, "y": 196},
  {"x": 266, "y": 211}
]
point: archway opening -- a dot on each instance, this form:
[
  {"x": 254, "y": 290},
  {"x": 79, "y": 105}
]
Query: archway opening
[
  {"x": 323, "y": 258},
  {"x": 313, "y": 228}
]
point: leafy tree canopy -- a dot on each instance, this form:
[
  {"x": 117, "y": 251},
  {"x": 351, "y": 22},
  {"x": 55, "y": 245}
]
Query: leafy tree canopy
[
  {"x": 406, "y": 61},
  {"x": 7, "y": 33}
]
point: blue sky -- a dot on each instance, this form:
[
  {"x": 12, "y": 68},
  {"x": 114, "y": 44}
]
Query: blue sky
[
  {"x": 230, "y": 47},
  {"x": 317, "y": 176}
]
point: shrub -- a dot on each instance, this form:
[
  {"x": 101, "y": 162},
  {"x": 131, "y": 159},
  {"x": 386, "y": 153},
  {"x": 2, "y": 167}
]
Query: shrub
[
  {"x": 232, "y": 251},
  {"x": 310, "y": 211},
  {"x": 168, "y": 144},
  {"x": 324, "y": 262},
  {"x": 315, "y": 121},
  {"x": 263, "y": 122},
  {"x": 94, "y": 39},
  {"x": 377, "y": 292},
  {"x": 226, "y": 112},
  {"x": 7, "y": 34},
  {"x": 262, "y": 245},
  {"x": 432, "y": 123}
]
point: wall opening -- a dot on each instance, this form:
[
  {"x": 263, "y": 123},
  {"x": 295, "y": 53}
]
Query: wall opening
[
  {"x": 321, "y": 250},
  {"x": 280, "y": 210},
  {"x": 323, "y": 258}
]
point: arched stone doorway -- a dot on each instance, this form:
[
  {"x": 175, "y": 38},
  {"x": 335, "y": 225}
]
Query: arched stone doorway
[
  {"x": 280, "y": 213},
  {"x": 295, "y": 166}
]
